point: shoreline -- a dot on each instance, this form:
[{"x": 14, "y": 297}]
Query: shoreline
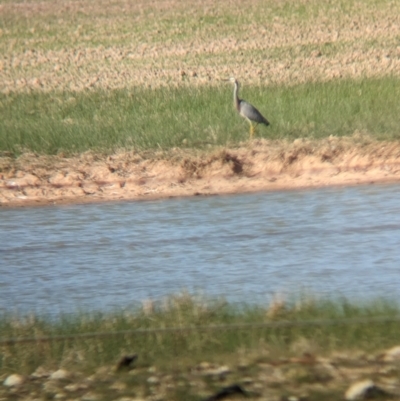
[
  {"x": 83, "y": 200},
  {"x": 257, "y": 166}
]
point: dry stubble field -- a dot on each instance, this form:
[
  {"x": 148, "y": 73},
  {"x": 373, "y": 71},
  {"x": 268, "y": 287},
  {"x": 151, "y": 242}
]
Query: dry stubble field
[{"x": 87, "y": 45}]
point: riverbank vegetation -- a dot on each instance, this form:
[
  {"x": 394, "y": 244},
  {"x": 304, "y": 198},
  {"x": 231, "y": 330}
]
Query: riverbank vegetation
[
  {"x": 189, "y": 348},
  {"x": 186, "y": 329}
]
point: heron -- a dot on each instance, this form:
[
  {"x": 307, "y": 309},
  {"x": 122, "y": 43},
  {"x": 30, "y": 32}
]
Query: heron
[{"x": 247, "y": 110}]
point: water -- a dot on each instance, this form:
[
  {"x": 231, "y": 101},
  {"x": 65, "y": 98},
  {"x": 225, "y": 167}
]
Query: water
[{"x": 328, "y": 242}]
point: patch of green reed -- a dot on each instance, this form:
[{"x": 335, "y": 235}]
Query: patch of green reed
[
  {"x": 193, "y": 117},
  {"x": 165, "y": 349}
]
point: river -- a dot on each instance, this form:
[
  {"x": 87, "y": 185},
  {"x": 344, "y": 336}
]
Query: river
[{"x": 328, "y": 243}]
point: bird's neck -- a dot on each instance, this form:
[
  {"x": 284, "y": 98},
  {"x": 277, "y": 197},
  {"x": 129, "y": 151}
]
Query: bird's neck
[{"x": 236, "y": 100}]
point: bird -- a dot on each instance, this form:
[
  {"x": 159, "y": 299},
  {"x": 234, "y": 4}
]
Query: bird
[
  {"x": 247, "y": 110},
  {"x": 126, "y": 362}
]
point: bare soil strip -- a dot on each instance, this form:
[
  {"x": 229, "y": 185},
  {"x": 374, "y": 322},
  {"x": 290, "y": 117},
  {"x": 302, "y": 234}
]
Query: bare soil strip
[{"x": 259, "y": 165}]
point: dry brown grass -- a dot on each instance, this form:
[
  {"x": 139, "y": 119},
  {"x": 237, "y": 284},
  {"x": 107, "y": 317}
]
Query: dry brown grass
[{"x": 76, "y": 45}]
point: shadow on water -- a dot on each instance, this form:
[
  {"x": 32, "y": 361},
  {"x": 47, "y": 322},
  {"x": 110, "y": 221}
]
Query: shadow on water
[{"x": 330, "y": 242}]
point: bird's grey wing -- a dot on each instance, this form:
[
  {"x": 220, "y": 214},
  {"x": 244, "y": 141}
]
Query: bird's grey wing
[{"x": 249, "y": 111}]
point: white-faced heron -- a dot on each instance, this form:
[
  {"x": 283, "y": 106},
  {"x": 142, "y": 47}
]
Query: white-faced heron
[{"x": 246, "y": 110}]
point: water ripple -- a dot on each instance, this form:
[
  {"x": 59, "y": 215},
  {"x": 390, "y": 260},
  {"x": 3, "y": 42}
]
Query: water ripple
[{"x": 330, "y": 242}]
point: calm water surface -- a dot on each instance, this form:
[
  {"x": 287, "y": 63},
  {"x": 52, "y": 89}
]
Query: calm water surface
[{"x": 328, "y": 242}]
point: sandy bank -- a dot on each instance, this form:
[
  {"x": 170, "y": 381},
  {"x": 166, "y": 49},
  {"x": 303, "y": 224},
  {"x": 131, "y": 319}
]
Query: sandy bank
[{"x": 259, "y": 165}]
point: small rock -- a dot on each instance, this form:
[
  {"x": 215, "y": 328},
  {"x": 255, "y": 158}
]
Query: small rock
[
  {"x": 316, "y": 53},
  {"x": 40, "y": 373},
  {"x": 13, "y": 380},
  {"x": 103, "y": 372},
  {"x": 90, "y": 188},
  {"x": 222, "y": 370},
  {"x": 130, "y": 399},
  {"x": 90, "y": 397},
  {"x": 219, "y": 371},
  {"x": 75, "y": 387},
  {"x": 298, "y": 141},
  {"x": 35, "y": 82},
  {"x": 119, "y": 386},
  {"x": 392, "y": 354},
  {"x": 294, "y": 398},
  {"x": 28, "y": 180},
  {"x": 203, "y": 366},
  {"x": 296, "y": 373},
  {"x": 59, "y": 374},
  {"x": 153, "y": 380},
  {"x": 12, "y": 184},
  {"x": 362, "y": 390},
  {"x": 51, "y": 387}
]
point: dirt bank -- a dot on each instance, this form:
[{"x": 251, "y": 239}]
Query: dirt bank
[{"x": 259, "y": 165}]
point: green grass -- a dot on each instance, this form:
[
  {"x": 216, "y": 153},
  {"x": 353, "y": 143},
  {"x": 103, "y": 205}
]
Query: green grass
[
  {"x": 175, "y": 348},
  {"x": 143, "y": 119}
]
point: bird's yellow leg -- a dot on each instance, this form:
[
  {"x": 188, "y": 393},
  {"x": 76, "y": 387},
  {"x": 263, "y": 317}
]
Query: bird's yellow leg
[{"x": 252, "y": 129}]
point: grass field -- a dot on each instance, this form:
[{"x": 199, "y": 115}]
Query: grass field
[
  {"x": 110, "y": 75},
  {"x": 141, "y": 119}
]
